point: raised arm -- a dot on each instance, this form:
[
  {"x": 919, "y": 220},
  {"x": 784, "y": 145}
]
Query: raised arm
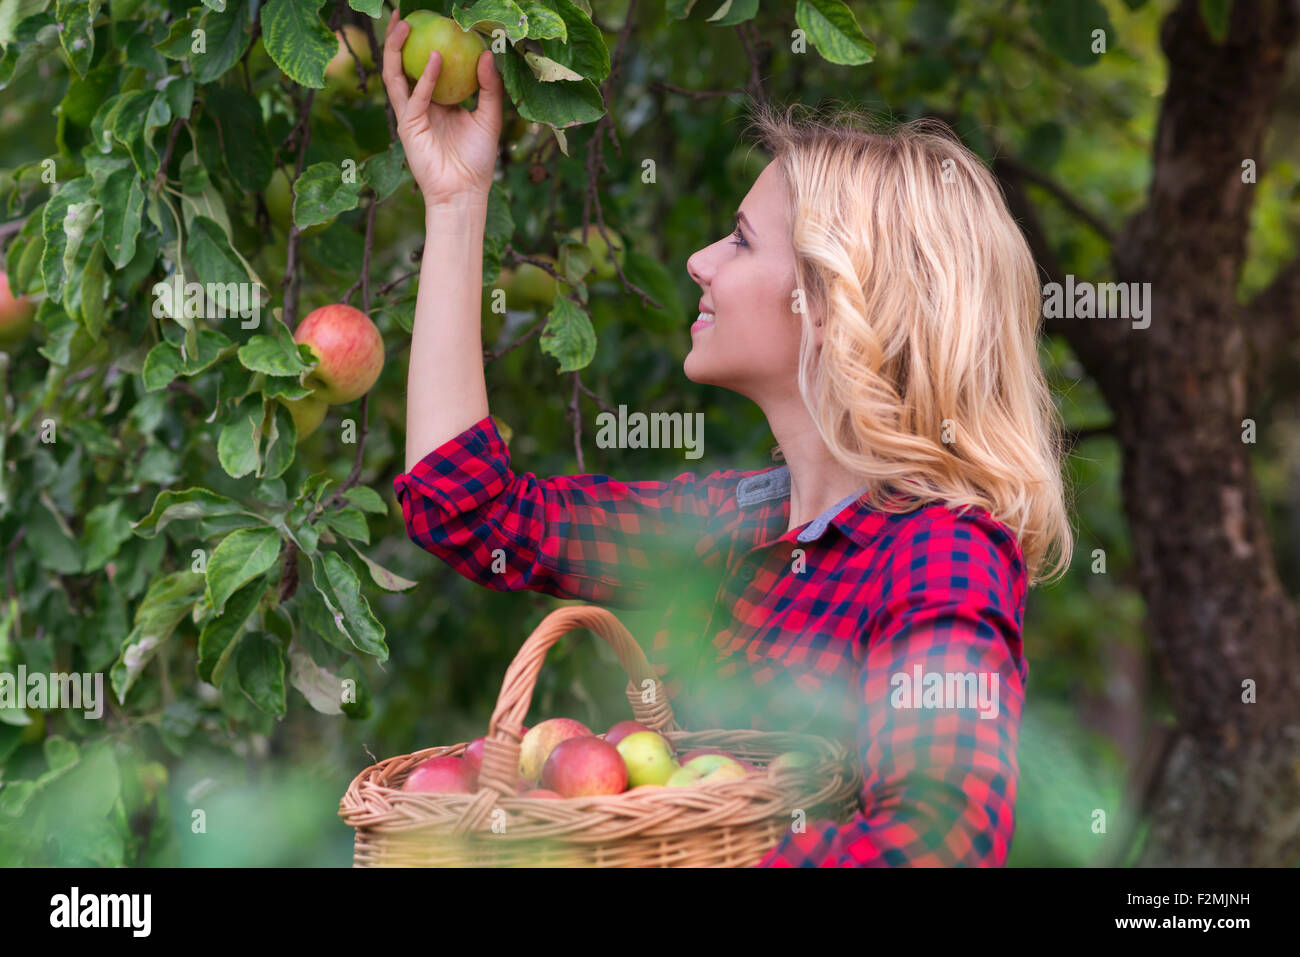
[
  {"x": 939, "y": 783},
  {"x": 452, "y": 155}
]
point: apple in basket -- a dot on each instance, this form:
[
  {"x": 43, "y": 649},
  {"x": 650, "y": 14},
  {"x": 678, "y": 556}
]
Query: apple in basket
[
  {"x": 791, "y": 759},
  {"x": 707, "y": 769},
  {"x": 621, "y": 730},
  {"x": 474, "y": 752},
  {"x": 542, "y": 739},
  {"x": 540, "y": 793},
  {"x": 584, "y": 766},
  {"x": 445, "y": 775},
  {"x": 648, "y": 756},
  {"x": 692, "y": 755}
]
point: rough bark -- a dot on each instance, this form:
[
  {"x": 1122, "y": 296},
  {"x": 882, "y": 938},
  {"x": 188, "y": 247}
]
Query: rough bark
[{"x": 1218, "y": 616}]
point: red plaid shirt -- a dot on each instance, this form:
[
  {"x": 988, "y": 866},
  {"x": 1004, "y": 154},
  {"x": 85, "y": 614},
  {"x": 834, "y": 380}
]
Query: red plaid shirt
[{"x": 820, "y": 629}]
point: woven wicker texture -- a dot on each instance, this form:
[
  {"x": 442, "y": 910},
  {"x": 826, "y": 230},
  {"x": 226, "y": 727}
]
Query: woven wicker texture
[{"x": 729, "y": 824}]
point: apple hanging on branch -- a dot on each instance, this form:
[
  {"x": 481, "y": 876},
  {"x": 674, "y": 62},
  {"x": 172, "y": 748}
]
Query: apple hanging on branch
[
  {"x": 460, "y": 50},
  {"x": 349, "y": 349},
  {"x": 15, "y": 314}
]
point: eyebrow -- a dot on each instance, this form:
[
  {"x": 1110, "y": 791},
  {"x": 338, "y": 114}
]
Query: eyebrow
[{"x": 742, "y": 218}]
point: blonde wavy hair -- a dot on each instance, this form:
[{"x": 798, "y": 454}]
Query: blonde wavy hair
[{"x": 927, "y": 383}]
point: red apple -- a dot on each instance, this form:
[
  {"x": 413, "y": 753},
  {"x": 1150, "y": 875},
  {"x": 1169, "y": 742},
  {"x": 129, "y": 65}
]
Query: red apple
[
  {"x": 540, "y": 793},
  {"x": 584, "y": 766},
  {"x": 621, "y": 730},
  {"x": 15, "y": 314},
  {"x": 539, "y": 742},
  {"x": 350, "y": 350},
  {"x": 445, "y": 775}
]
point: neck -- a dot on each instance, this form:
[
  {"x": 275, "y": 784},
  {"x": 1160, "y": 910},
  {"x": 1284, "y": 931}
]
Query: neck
[{"x": 817, "y": 481}]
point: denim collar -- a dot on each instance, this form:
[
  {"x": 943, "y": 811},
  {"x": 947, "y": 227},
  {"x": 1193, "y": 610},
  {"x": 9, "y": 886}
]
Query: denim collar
[{"x": 775, "y": 484}]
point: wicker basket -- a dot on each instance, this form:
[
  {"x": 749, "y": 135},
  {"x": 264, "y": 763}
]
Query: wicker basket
[{"x": 729, "y": 824}]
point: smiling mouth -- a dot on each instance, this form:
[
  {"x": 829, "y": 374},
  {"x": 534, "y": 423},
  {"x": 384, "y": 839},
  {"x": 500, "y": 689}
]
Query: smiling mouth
[{"x": 702, "y": 321}]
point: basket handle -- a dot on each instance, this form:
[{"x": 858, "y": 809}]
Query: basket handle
[{"x": 500, "y": 769}]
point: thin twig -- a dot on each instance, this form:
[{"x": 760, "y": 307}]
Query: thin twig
[{"x": 575, "y": 413}]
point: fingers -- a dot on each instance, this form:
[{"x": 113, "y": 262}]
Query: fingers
[
  {"x": 491, "y": 90},
  {"x": 422, "y": 95},
  {"x": 394, "y": 78}
]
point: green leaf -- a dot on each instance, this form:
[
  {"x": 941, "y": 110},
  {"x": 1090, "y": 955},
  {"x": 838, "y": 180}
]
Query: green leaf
[
  {"x": 237, "y": 445},
  {"x": 280, "y": 441},
  {"x": 568, "y": 336},
  {"x": 320, "y": 194},
  {"x": 182, "y": 506},
  {"x": 63, "y": 223},
  {"x": 340, "y": 590},
  {"x": 381, "y": 576},
  {"x": 732, "y": 12},
  {"x": 107, "y": 527},
  {"x": 543, "y": 24},
  {"x": 241, "y": 557},
  {"x": 507, "y": 13},
  {"x": 214, "y": 259},
  {"x": 77, "y": 31},
  {"x": 245, "y": 145},
  {"x": 832, "y": 29},
  {"x": 123, "y": 200},
  {"x": 350, "y": 523},
  {"x": 385, "y": 171},
  {"x": 560, "y": 105},
  {"x": 221, "y": 632},
  {"x": 260, "y": 663},
  {"x": 1216, "y": 14},
  {"x": 94, "y": 293},
  {"x": 366, "y": 499},
  {"x": 165, "y": 362},
  {"x": 49, "y": 540},
  {"x": 299, "y": 43},
  {"x": 229, "y": 33},
  {"x": 322, "y": 688},
  {"x": 371, "y": 8},
  {"x": 1067, "y": 28},
  {"x": 168, "y": 600},
  {"x": 583, "y": 48},
  {"x": 270, "y": 355}
]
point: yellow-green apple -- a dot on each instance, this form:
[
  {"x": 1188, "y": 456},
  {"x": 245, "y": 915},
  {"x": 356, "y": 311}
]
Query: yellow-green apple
[
  {"x": 584, "y": 766},
  {"x": 791, "y": 759},
  {"x": 601, "y": 264},
  {"x": 648, "y": 756},
  {"x": 707, "y": 769},
  {"x": 621, "y": 730},
  {"x": 530, "y": 285},
  {"x": 308, "y": 413},
  {"x": 542, "y": 739},
  {"x": 15, "y": 314},
  {"x": 460, "y": 49},
  {"x": 445, "y": 775},
  {"x": 349, "y": 348},
  {"x": 341, "y": 73},
  {"x": 692, "y": 755}
]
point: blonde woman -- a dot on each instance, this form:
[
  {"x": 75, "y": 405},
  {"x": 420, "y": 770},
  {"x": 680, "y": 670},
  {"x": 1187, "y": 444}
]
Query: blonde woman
[{"x": 880, "y": 306}]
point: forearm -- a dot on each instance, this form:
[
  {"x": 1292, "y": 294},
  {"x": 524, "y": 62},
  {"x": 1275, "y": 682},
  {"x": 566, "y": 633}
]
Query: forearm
[{"x": 445, "y": 388}]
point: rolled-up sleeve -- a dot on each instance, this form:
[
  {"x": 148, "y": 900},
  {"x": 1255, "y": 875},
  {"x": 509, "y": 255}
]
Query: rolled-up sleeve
[
  {"x": 589, "y": 537},
  {"x": 939, "y": 780}
]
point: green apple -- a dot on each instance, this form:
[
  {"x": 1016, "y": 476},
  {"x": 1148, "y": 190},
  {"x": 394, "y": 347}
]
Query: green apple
[
  {"x": 341, "y": 73},
  {"x": 791, "y": 759},
  {"x": 278, "y": 197},
  {"x": 460, "y": 49},
  {"x": 648, "y": 756},
  {"x": 707, "y": 769},
  {"x": 602, "y": 265},
  {"x": 307, "y": 413},
  {"x": 529, "y": 285}
]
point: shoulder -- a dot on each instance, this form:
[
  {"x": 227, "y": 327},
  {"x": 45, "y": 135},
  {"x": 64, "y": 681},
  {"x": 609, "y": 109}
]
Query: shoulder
[{"x": 958, "y": 550}]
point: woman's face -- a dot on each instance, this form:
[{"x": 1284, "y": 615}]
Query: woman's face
[{"x": 747, "y": 339}]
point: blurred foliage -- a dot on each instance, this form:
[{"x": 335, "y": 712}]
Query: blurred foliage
[{"x": 125, "y": 791}]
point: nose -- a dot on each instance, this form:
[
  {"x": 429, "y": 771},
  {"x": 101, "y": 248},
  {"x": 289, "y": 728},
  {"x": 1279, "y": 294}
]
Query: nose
[{"x": 697, "y": 267}]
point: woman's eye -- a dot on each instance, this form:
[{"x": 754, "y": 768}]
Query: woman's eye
[{"x": 740, "y": 236}]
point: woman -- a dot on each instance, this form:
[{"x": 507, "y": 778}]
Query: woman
[{"x": 879, "y": 304}]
